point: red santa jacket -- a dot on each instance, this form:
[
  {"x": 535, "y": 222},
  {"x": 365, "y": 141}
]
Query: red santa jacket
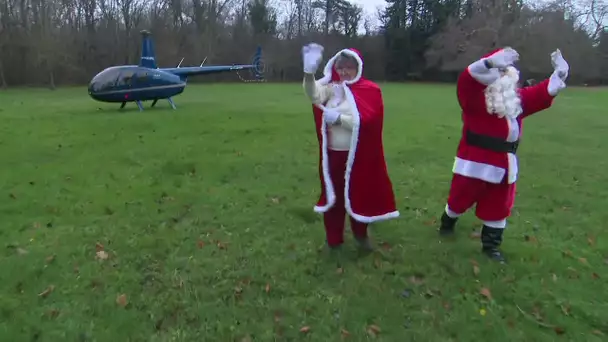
[
  {"x": 485, "y": 164},
  {"x": 368, "y": 191}
]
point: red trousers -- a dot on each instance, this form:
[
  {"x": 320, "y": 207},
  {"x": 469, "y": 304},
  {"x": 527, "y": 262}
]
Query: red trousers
[
  {"x": 494, "y": 201},
  {"x": 335, "y": 217}
]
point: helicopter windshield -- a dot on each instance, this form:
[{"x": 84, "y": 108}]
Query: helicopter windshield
[{"x": 104, "y": 79}]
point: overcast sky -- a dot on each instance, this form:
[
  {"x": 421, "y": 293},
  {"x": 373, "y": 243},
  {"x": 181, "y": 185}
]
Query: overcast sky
[{"x": 369, "y": 6}]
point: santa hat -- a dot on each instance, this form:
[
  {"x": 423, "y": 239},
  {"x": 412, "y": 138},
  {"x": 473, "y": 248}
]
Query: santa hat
[{"x": 330, "y": 74}]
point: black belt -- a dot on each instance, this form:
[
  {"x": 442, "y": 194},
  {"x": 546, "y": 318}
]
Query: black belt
[{"x": 491, "y": 143}]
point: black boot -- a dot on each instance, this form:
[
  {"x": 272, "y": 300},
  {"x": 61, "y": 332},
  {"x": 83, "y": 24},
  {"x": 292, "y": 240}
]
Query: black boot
[
  {"x": 447, "y": 225},
  {"x": 491, "y": 239}
]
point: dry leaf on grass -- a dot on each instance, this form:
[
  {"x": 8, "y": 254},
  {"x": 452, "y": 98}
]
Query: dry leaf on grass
[
  {"x": 339, "y": 270},
  {"x": 583, "y": 261},
  {"x": 476, "y": 270},
  {"x": 344, "y": 333},
  {"x": 47, "y": 292},
  {"x": 486, "y": 293},
  {"x": 50, "y": 259},
  {"x": 122, "y": 300},
  {"x": 305, "y": 329},
  {"x": 200, "y": 243},
  {"x": 267, "y": 288},
  {"x": 373, "y": 330},
  {"x": 101, "y": 255},
  {"x": 98, "y": 247}
]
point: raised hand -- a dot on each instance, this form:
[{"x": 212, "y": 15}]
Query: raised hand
[
  {"x": 503, "y": 58},
  {"x": 312, "y": 54},
  {"x": 559, "y": 64},
  {"x": 331, "y": 116}
]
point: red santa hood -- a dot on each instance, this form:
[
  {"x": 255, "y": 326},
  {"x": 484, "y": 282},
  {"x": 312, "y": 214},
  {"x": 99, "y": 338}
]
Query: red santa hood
[
  {"x": 330, "y": 74},
  {"x": 368, "y": 190}
]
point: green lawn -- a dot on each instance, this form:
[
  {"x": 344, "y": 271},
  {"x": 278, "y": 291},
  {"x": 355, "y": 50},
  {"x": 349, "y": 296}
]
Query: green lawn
[{"x": 200, "y": 220}]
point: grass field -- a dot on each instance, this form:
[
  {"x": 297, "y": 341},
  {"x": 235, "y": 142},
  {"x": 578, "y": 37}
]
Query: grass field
[{"x": 197, "y": 224}]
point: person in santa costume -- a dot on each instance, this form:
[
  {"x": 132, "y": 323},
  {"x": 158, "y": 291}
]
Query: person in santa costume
[
  {"x": 485, "y": 168},
  {"x": 348, "y": 111}
]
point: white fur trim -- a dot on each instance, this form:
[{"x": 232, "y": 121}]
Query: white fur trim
[
  {"x": 512, "y": 158},
  {"x": 501, "y": 224},
  {"x": 481, "y": 74},
  {"x": 451, "y": 213},
  {"x": 329, "y": 189},
  {"x": 486, "y": 172},
  {"x": 327, "y": 71}
]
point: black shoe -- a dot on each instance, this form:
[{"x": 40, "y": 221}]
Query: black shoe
[
  {"x": 364, "y": 244},
  {"x": 491, "y": 239},
  {"x": 447, "y": 225}
]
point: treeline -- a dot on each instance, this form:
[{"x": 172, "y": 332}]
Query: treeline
[{"x": 61, "y": 42}]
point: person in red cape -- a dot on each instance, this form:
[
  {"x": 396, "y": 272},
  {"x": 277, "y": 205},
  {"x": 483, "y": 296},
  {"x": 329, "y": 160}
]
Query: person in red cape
[
  {"x": 348, "y": 112},
  {"x": 485, "y": 168}
]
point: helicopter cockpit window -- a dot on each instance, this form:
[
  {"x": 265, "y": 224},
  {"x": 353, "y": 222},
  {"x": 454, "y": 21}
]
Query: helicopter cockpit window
[
  {"x": 105, "y": 80},
  {"x": 142, "y": 76},
  {"x": 126, "y": 78}
]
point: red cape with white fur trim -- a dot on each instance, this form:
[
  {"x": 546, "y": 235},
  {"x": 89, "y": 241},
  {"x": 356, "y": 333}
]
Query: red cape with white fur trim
[{"x": 368, "y": 191}]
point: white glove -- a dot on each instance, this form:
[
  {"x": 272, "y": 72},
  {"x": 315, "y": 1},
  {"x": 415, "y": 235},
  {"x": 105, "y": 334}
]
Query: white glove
[
  {"x": 312, "y": 54},
  {"x": 331, "y": 116},
  {"x": 559, "y": 64},
  {"x": 503, "y": 58},
  {"x": 556, "y": 84}
]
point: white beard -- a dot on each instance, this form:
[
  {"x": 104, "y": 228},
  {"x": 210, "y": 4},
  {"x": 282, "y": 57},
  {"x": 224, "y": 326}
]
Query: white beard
[{"x": 501, "y": 96}]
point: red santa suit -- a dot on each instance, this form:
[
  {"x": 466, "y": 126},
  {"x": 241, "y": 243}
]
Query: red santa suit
[
  {"x": 354, "y": 180},
  {"x": 486, "y": 167}
]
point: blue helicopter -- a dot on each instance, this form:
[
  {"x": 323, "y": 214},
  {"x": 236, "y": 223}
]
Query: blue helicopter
[{"x": 136, "y": 83}]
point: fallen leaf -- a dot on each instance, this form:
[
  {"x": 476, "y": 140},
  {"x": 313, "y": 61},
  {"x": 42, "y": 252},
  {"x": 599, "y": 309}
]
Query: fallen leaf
[
  {"x": 565, "y": 309},
  {"x": 21, "y": 251},
  {"x": 447, "y": 305},
  {"x": 98, "y": 247},
  {"x": 345, "y": 333},
  {"x": 305, "y": 329},
  {"x": 597, "y": 332},
  {"x": 595, "y": 275},
  {"x": 431, "y": 222},
  {"x": 486, "y": 293},
  {"x": 47, "y": 292},
  {"x": 246, "y": 339},
  {"x": 554, "y": 277},
  {"x": 102, "y": 255},
  {"x": 50, "y": 259},
  {"x": 530, "y": 238},
  {"x": 275, "y": 200},
  {"x": 122, "y": 300},
  {"x": 200, "y": 244},
  {"x": 221, "y": 245},
  {"x": 582, "y": 260},
  {"x": 559, "y": 331},
  {"x": 591, "y": 241},
  {"x": 377, "y": 263},
  {"x": 267, "y": 288},
  {"x": 567, "y": 253},
  {"x": 385, "y": 245},
  {"x": 475, "y": 235},
  {"x": 373, "y": 330},
  {"x": 53, "y": 313},
  {"x": 416, "y": 280},
  {"x": 339, "y": 270},
  {"x": 475, "y": 270}
]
